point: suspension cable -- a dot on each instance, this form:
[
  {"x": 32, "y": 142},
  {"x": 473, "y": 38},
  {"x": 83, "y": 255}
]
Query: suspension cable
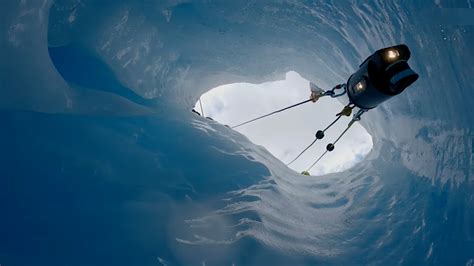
[
  {"x": 343, "y": 132},
  {"x": 272, "y": 113},
  {"x": 347, "y": 110},
  {"x": 333, "y": 122},
  {"x": 327, "y": 93},
  {"x": 314, "y": 141},
  {"x": 320, "y": 157},
  {"x": 301, "y": 153},
  {"x": 330, "y": 146}
]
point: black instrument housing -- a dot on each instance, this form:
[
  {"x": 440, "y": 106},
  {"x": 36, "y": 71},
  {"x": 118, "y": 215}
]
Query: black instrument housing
[{"x": 382, "y": 75}]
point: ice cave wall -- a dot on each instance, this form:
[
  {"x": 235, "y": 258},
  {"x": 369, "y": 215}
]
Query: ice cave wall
[
  {"x": 170, "y": 52},
  {"x": 173, "y": 51}
]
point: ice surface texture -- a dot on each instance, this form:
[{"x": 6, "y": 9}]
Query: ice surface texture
[{"x": 102, "y": 162}]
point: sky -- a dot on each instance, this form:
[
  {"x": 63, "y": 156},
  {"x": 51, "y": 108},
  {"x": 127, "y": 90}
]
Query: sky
[{"x": 287, "y": 133}]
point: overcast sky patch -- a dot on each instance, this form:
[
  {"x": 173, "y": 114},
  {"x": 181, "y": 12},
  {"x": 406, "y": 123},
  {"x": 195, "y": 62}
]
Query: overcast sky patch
[{"x": 286, "y": 134}]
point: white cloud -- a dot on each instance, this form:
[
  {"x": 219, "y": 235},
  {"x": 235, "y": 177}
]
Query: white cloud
[{"x": 286, "y": 134}]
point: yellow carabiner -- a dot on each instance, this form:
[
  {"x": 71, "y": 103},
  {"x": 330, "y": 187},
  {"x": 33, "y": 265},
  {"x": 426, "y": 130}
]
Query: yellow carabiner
[{"x": 347, "y": 111}]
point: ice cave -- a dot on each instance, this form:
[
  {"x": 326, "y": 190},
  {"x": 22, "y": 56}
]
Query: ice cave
[{"x": 102, "y": 162}]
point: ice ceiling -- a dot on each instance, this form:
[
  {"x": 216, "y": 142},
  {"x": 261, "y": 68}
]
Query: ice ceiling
[{"x": 173, "y": 51}]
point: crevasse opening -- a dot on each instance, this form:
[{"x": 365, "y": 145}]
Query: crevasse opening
[{"x": 287, "y": 133}]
